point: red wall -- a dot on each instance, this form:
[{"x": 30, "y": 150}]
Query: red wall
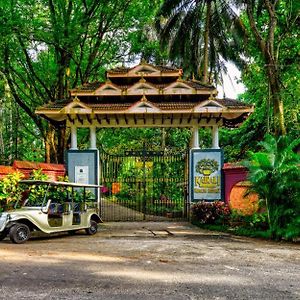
[
  {"x": 26, "y": 167},
  {"x": 232, "y": 175},
  {"x": 4, "y": 170}
]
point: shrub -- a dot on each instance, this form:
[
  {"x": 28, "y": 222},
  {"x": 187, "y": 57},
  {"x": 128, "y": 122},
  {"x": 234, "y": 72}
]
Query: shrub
[
  {"x": 256, "y": 221},
  {"x": 210, "y": 212},
  {"x": 36, "y": 193},
  {"x": 274, "y": 175},
  {"x": 10, "y": 191}
]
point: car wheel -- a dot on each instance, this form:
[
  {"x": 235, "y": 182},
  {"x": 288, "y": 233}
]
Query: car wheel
[
  {"x": 3, "y": 235},
  {"x": 92, "y": 229},
  {"x": 19, "y": 233}
]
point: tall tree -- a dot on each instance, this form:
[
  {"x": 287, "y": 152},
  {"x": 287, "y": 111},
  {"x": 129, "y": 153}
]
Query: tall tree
[
  {"x": 50, "y": 46},
  {"x": 200, "y": 35},
  {"x": 270, "y": 23}
]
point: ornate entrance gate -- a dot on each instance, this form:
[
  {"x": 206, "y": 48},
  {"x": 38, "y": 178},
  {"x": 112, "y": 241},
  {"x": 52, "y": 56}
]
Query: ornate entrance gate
[{"x": 144, "y": 185}]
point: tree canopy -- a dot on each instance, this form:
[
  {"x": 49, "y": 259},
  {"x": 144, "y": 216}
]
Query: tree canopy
[{"x": 48, "y": 47}]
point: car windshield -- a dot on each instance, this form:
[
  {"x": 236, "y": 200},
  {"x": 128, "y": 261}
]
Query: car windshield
[{"x": 33, "y": 195}]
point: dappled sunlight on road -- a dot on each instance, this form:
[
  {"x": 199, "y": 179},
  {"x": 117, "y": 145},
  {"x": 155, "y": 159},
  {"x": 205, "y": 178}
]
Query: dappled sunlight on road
[
  {"x": 166, "y": 261},
  {"x": 174, "y": 277},
  {"x": 15, "y": 256}
]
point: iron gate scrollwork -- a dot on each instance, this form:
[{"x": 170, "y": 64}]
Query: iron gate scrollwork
[{"x": 144, "y": 185}]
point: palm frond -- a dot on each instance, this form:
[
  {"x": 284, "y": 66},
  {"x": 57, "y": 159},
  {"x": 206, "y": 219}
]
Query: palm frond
[{"x": 182, "y": 23}]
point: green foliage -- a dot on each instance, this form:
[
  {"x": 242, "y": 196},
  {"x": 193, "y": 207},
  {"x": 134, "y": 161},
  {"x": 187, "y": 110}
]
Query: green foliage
[
  {"x": 194, "y": 32},
  {"x": 274, "y": 173},
  {"x": 10, "y": 191},
  {"x": 48, "y": 47},
  {"x": 13, "y": 193},
  {"x": 285, "y": 61},
  {"x": 38, "y": 175},
  {"x": 256, "y": 221},
  {"x": 80, "y": 196},
  {"x": 236, "y": 143},
  {"x": 36, "y": 193},
  {"x": 117, "y": 140}
]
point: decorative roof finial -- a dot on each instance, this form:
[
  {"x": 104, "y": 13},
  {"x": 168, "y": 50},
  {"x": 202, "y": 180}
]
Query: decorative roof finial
[
  {"x": 144, "y": 99},
  {"x": 143, "y": 61},
  {"x": 76, "y": 99},
  {"x": 212, "y": 97},
  {"x": 143, "y": 80}
]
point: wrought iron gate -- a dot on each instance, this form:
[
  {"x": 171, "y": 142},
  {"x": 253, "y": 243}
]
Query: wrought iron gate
[{"x": 144, "y": 185}]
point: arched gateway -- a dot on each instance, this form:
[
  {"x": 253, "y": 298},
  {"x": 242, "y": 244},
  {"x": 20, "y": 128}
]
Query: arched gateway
[{"x": 147, "y": 96}]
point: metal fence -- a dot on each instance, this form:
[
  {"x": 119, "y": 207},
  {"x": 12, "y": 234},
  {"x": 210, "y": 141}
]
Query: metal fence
[{"x": 144, "y": 185}]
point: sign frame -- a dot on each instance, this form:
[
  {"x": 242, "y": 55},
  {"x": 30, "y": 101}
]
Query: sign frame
[
  {"x": 193, "y": 197},
  {"x": 84, "y": 159}
]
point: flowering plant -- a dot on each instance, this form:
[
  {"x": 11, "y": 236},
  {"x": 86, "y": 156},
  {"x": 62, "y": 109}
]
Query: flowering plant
[{"x": 210, "y": 212}]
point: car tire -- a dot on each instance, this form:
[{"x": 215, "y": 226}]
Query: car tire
[
  {"x": 19, "y": 233},
  {"x": 92, "y": 229}
]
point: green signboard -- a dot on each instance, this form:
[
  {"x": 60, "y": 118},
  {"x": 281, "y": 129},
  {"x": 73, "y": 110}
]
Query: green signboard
[{"x": 206, "y": 175}]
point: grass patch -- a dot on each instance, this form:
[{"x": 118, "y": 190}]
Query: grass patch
[{"x": 236, "y": 230}]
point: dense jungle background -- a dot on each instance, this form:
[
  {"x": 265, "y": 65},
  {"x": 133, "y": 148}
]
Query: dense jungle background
[{"x": 48, "y": 47}]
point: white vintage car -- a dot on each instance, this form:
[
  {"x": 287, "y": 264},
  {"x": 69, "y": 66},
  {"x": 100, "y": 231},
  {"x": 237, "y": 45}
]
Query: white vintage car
[{"x": 57, "y": 207}]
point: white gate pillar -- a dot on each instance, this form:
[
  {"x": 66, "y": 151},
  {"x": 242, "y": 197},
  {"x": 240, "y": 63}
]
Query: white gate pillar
[
  {"x": 195, "y": 144},
  {"x": 215, "y": 137},
  {"x": 73, "y": 137},
  {"x": 93, "y": 139}
]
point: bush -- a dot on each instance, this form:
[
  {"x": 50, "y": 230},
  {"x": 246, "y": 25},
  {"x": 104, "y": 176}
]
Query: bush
[
  {"x": 210, "y": 212},
  {"x": 256, "y": 221},
  {"x": 274, "y": 174},
  {"x": 10, "y": 191}
]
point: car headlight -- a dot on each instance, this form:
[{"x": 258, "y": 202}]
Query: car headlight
[
  {"x": 3, "y": 215},
  {"x": 3, "y": 219}
]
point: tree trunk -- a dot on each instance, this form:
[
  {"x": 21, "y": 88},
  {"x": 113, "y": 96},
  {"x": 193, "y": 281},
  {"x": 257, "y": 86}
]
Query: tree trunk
[
  {"x": 61, "y": 144},
  {"x": 50, "y": 147},
  {"x": 55, "y": 144},
  {"x": 266, "y": 46},
  {"x": 276, "y": 100},
  {"x": 206, "y": 42}
]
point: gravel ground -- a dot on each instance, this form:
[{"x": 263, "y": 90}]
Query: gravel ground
[{"x": 147, "y": 260}]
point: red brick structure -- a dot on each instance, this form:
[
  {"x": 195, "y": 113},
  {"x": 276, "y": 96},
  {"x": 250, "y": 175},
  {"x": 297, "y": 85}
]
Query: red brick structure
[
  {"x": 5, "y": 170},
  {"x": 53, "y": 171}
]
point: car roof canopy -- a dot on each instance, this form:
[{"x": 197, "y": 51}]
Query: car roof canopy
[{"x": 58, "y": 183}]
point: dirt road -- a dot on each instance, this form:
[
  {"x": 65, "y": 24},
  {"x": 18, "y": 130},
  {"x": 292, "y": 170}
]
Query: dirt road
[{"x": 148, "y": 260}]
